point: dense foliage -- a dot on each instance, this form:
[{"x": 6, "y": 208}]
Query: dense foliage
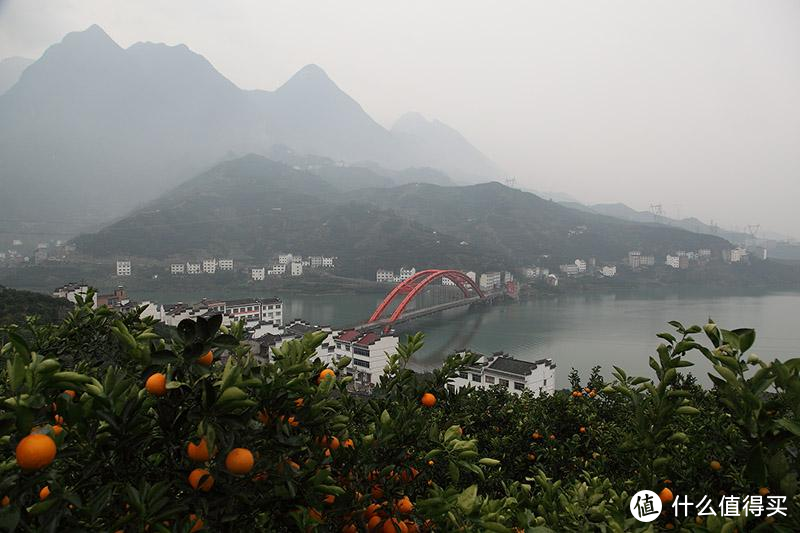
[
  {"x": 192, "y": 432},
  {"x": 15, "y": 305}
]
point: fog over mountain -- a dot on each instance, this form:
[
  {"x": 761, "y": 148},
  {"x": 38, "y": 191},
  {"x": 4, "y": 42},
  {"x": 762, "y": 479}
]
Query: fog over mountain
[
  {"x": 91, "y": 129},
  {"x": 10, "y": 70}
]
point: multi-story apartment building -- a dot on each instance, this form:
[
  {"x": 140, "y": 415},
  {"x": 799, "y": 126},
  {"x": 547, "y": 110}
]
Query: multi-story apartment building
[
  {"x": 257, "y": 274},
  {"x": 209, "y": 266},
  {"x": 328, "y": 262},
  {"x": 277, "y": 270},
  {"x": 194, "y": 268},
  {"x": 406, "y": 273},
  {"x": 315, "y": 261},
  {"x": 284, "y": 259},
  {"x": 384, "y": 276},
  {"x": 608, "y": 271},
  {"x": 297, "y": 268},
  {"x": 369, "y": 352},
  {"x": 123, "y": 268},
  {"x": 514, "y": 375},
  {"x": 490, "y": 280},
  {"x": 177, "y": 268},
  {"x": 634, "y": 259},
  {"x": 581, "y": 264},
  {"x": 673, "y": 261},
  {"x": 225, "y": 264}
]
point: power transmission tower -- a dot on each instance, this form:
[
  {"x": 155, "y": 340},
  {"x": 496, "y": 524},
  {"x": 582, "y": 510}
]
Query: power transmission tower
[{"x": 752, "y": 229}]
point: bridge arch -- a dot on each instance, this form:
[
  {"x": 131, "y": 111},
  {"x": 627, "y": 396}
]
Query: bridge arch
[{"x": 416, "y": 283}]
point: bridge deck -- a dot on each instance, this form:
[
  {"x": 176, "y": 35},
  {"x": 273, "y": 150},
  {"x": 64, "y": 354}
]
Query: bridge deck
[{"x": 418, "y": 313}]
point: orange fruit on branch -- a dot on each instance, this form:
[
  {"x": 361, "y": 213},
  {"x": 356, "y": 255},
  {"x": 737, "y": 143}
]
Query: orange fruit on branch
[
  {"x": 157, "y": 384},
  {"x": 206, "y": 360},
  {"x": 44, "y": 493},
  {"x": 665, "y": 495},
  {"x": 198, "y": 452},
  {"x": 35, "y": 451},
  {"x": 200, "y": 473},
  {"x": 239, "y": 461},
  {"x": 428, "y": 399},
  {"x": 715, "y": 466},
  {"x": 325, "y": 374}
]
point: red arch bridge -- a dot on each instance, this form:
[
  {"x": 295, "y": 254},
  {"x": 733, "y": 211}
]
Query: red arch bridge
[{"x": 397, "y": 306}]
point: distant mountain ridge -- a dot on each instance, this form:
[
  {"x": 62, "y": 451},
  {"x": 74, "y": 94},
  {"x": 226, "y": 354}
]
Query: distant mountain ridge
[
  {"x": 11, "y": 69},
  {"x": 90, "y": 130},
  {"x": 253, "y": 207}
]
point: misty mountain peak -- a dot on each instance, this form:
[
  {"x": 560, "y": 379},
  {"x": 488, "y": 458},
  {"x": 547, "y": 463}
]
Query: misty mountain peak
[
  {"x": 310, "y": 78},
  {"x": 94, "y": 35}
]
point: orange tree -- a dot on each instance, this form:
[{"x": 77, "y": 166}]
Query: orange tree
[{"x": 108, "y": 424}]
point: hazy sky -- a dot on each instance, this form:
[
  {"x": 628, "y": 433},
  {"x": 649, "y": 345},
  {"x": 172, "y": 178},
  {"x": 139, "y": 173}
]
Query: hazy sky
[{"x": 690, "y": 104}]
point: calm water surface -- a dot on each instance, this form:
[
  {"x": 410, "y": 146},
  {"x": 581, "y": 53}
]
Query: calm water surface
[{"x": 575, "y": 330}]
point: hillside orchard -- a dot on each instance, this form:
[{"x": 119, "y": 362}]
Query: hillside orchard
[{"x": 106, "y": 425}]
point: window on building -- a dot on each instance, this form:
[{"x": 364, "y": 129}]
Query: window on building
[
  {"x": 489, "y": 380},
  {"x": 451, "y": 387},
  {"x": 463, "y": 375},
  {"x": 476, "y": 378},
  {"x": 361, "y": 351},
  {"x": 359, "y": 362},
  {"x": 504, "y": 383},
  {"x": 519, "y": 386},
  {"x": 545, "y": 382}
]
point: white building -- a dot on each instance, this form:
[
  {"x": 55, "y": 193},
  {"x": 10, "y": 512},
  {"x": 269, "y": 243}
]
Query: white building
[
  {"x": 194, "y": 268},
  {"x": 737, "y": 254},
  {"x": 506, "y": 372},
  {"x": 673, "y": 261},
  {"x": 284, "y": 259},
  {"x": 297, "y": 268},
  {"x": 225, "y": 264},
  {"x": 369, "y": 352},
  {"x": 70, "y": 290},
  {"x": 490, "y": 280},
  {"x": 209, "y": 266},
  {"x": 581, "y": 264},
  {"x": 315, "y": 261},
  {"x": 123, "y": 268},
  {"x": 327, "y": 262},
  {"x": 704, "y": 252},
  {"x": 570, "y": 269},
  {"x": 647, "y": 260},
  {"x": 177, "y": 268},
  {"x": 384, "y": 276},
  {"x": 277, "y": 270},
  {"x": 634, "y": 259},
  {"x": 551, "y": 279},
  {"x": 406, "y": 273},
  {"x": 609, "y": 271},
  {"x": 257, "y": 274},
  {"x": 471, "y": 275}
]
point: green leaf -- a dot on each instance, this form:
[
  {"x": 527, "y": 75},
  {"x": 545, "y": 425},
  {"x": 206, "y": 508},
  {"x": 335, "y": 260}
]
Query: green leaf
[
  {"x": 789, "y": 425},
  {"x": 466, "y": 500}
]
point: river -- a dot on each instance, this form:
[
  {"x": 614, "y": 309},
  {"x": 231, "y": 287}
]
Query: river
[{"x": 577, "y": 330}]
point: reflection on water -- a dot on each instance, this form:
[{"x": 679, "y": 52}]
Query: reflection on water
[{"x": 575, "y": 330}]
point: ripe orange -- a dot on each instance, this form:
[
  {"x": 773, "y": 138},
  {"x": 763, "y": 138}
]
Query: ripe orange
[
  {"x": 665, "y": 495},
  {"x": 393, "y": 525},
  {"x": 44, "y": 493},
  {"x": 157, "y": 384},
  {"x": 200, "y": 473},
  {"x": 198, "y": 452},
  {"x": 299, "y": 402},
  {"x": 582, "y": 429},
  {"x": 5, "y": 501},
  {"x": 334, "y": 443},
  {"x": 531, "y": 457},
  {"x": 715, "y": 466},
  {"x": 197, "y": 523},
  {"x": 404, "y": 505},
  {"x": 763, "y": 491},
  {"x": 206, "y": 360},
  {"x": 373, "y": 523},
  {"x": 35, "y": 451},
  {"x": 349, "y": 528},
  {"x": 239, "y": 461},
  {"x": 428, "y": 399},
  {"x": 329, "y": 499},
  {"x": 324, "y": 374},
  {"x": 70, "y": 393}
]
